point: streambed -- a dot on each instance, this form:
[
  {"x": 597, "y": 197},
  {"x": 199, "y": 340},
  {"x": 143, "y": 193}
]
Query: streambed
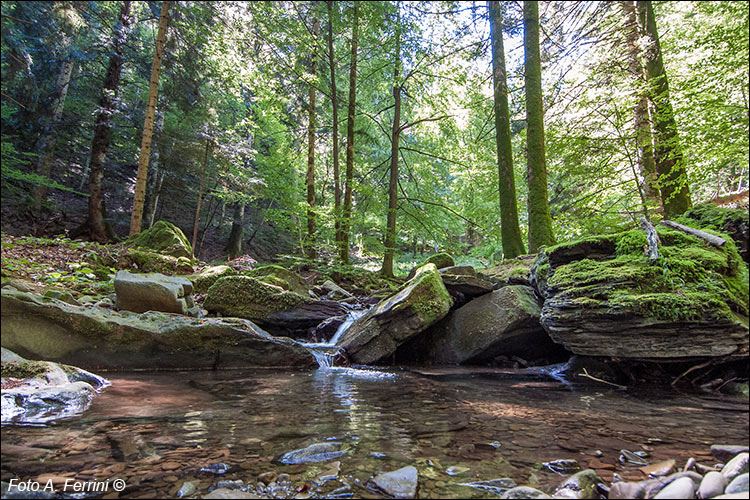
[{"x": 156, "y": 430}]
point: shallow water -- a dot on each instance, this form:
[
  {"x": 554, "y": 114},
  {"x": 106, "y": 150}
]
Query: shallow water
[{"x": 156, "y": 430}]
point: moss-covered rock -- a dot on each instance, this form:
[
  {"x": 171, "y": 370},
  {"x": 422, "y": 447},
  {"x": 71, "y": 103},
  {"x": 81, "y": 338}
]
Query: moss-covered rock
[
  {"x": 94, "y": 337},
  {"x": 249, "y": 298},
  {"x": 279, "y": 276},
  {"x": 440, "y": 260},
  {"x": 603, "y": 297},
  {"x": 732, "y": 221},
  {"x": 423, "y": 301},
  {"x": 163, "y": 237},
  {"x": 203, "y": 280},
  {"x": 145, "y": 261},
  {"x": 502, "y": 323},
  {"x": 61, "y": 295}
]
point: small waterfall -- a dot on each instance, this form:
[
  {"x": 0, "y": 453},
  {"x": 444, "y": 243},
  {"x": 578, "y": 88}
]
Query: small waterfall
[{"x": 325, "y": 352}]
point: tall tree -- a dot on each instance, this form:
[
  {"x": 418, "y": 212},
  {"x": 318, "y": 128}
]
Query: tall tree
[
  {"x": 148, "y": 124},
  {"x": 51, "y": 127},
  {"x": 310, "y": 243},
  {"x": 200, "y": 194},
  {"x": 540, "y": 222},
  {"x": 156, "y": 170},
  {"x": 390, "y": 231},
  {"x": 644, "y": 137},
  {"x": 335, "y": 119},
  {"x": 346, "y": 216},
  {"x": 510, "y": 230},
  {"x": 234, "y": 245},
  {"x": 99, "y": 229},
  {"x": 670, "y": 162}
]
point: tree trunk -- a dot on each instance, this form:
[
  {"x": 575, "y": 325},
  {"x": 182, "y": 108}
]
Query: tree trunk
[
  {"x": 200, "y": 196},
  {"x": 100, "y": 230},
  {"x": 148, "y": 124},
  {"x": 644, "y": 138},
  {"x": 310, "y": 243},
  {"x": 335, "y": 106},
  {"x": 390, "y": 231},
  {"x": 510, "y": 230},
  {"x": 540, "y": 222},
  {"x": 670, "y": 162},
  {"x": 47, "y": 143},
  {"x": 345, "y": 223},
  {"x": 156, "y": 176},
  {"x": 234, "y": 245}
]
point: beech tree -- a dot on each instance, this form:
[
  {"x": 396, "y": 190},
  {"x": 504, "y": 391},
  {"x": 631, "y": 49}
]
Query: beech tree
[
  {"x": 148, "y": 124},
  {"x": 670, "y": 161},
  {"x": 310, "y": 243},
  {"x": 540, "y": 222},
  {"x": 510, "y": 230},
  {"x": 99, "y": 229},
  {"x": 351, "y": 105}
]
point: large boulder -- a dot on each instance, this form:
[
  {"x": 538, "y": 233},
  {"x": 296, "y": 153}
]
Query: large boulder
[
  {"x": 153, "y": 292},
  {"x": 36, "y": 392},
  {"x": 502, "y": 323},
  {"x": 250, "y": 298},
  {"x": 604, "y": 298},
  {"x": 279, "y": 276},
  {"x": 94, "y": 337},
  {"x": 205, "y": 278},
  {"x": 281, "y": 311},
  {"x": 376, "y": 335},
  {"x": 463, "y": 283},
  {"x": 163, "y": 237}
]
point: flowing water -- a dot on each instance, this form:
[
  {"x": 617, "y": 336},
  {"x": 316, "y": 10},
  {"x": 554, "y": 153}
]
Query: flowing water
[{"x": 457, "y": 425}]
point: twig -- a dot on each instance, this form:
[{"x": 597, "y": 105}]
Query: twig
[
  {"x": 696, "y": 367},
  {"x": 586, "y": 374}
]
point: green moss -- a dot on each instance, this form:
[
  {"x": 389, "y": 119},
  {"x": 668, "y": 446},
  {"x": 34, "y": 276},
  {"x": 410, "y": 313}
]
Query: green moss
[
  {"x": 24, "y": 369},
  {"x": 440, "y": 260},
  {"x": 691, "y": 281},
  {"x": 151, "y": 262},
  {"x": 429, "y": 297},
  {"x": 164, "y": 237},
  {"x": 279, "y": 276},
  {"x": 250, "y": 298},
  {"x": 713, "y": 217},
  {"x": 203, "y": 280}
]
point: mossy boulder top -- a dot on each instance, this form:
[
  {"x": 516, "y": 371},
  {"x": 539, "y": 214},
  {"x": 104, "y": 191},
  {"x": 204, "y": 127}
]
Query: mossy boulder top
[
  {"x": 163, "y": 237},
  {"x": 203, "y": 279},
  {"x": 733, "y": 221},
  {"x": 440, "y": 260},
  {"x": 279, "y": 276},
  {"x": 250, "y": 298},
  {"x": 604, "y": 298},
  {"x": 423, "y": 301}
]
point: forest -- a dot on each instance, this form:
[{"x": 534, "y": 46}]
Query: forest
[
  {"x": 281, "y": 120},
  {"x": 375, "y": 249}
]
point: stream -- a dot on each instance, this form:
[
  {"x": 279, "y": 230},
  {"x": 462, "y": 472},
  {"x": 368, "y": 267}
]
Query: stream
[{"x": 157, "y": 430}]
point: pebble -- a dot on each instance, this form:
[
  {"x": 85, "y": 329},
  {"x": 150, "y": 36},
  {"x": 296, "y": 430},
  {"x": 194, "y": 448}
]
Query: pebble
[
  {"x": 318, "y": 452},
  {"x": 713, "y": 484},
  {"x": 562, "y": 466},
  {"x": 221, "y": 493},
  {"x": 524, "y": 492},
  {"x": 738, "y": 484},
  {"x": 626, "y": 490},
  {"x": 219, "y": 468},
  {"x": 628, "y": 457},
  {"x": 187, "y": 489},
  {"x": 401, "y": 483},
  {"x": 659, "y": 468},
  {"x": 267, "y": 477},
  {"x": 682, "y": 487},
  {"x": 736, "y": 466}
]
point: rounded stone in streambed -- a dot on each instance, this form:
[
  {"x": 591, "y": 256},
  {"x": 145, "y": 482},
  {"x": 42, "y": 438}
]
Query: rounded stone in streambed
[
  {"x": 738, "y": 485},
  {"x": 524, "y": 492},
  {"x": 736, "y": 466},
  {"x": 713, "y": 484},
  {"x": 318, "y": 452},
  {"x": 401, "y": 483},
  {"x": 682, "y": 487}
]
